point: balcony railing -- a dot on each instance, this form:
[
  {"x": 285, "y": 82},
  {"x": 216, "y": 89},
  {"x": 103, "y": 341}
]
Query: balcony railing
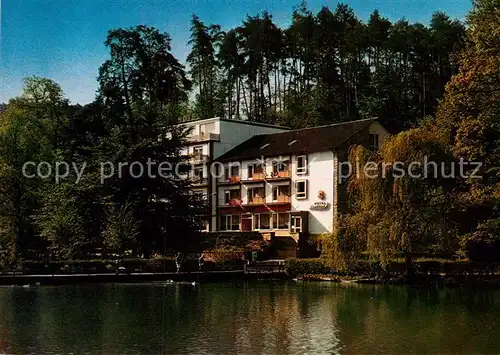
[
  {"x": 235, "y": 201},
  {"x": 204, "y": 137},
  {"x": 199, "y": 158},
  {"x": 231, "y": 179},
  {"x": 199, "y": 181},
  {"x": 256, "y": 201},
  {"x": 258, "y": 176},
  {"x": 280, "y": 174},
  {"x": 282, "y": 199}
]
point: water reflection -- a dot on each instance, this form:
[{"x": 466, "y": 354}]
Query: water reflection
[{"x": 250, "y": 318}]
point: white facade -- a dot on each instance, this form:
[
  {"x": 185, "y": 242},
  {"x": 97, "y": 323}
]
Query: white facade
[
  {"x": 225, "y": 134},
  {"x": 208, "y": 140},
  {"x": 308, "y": 188},
  {"x": 319, "y": 177}
]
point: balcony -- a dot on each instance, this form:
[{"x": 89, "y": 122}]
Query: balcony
[
  {"x": 257, "y": 177},
  {"x": 279, "y": 175},
  {"x": 230, "y": 180},
  {"x": 281, "y": 199},
  {"x": 204, "y": 137},
  {"x": 256, "y": 201},
  {"x": 197, "y": 181},
  {"x": 232, "y": 202},
  {"x": 199, "y": 158}
]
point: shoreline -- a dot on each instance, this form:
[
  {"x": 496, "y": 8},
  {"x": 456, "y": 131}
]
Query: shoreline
[
  {"x": 196, "y": 276},
  {"x": 482, "y": 281}
]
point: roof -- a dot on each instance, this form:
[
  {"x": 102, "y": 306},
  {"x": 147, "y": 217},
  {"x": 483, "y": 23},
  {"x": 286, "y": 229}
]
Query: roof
[
  {"x": 306, "y": 140},
  {"x": 213, "y": 119}
]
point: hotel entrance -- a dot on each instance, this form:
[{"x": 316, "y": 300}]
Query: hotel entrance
[
  {"x": 296, "y": 224},
  {"x": 246, "y": 223},
  {"x": 299, "y": 222}
]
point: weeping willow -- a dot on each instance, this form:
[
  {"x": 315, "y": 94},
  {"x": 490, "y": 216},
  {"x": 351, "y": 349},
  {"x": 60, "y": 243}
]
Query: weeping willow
[{"x": 392, "y": 213}]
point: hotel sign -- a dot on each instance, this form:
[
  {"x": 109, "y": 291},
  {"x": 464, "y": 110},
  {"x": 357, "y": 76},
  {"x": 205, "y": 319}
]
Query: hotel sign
[{"x": 320, "y": 206}]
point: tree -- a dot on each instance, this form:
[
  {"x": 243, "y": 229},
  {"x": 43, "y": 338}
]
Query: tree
[
  {"x": 468, "y": 117},
  {"x": 30, "y": 131},
  {"x": 394, "y": 212},
  {"x": 137, "y": 84},
  {"x": 204, "y": 67}
]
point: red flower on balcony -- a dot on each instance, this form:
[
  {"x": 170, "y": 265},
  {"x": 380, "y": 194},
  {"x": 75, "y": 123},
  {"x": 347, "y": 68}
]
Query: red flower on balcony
[{"x": 235, "y": 202}]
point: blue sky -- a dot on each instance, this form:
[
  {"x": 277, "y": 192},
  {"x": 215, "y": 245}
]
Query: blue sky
[{"x": 63, "y": 39}]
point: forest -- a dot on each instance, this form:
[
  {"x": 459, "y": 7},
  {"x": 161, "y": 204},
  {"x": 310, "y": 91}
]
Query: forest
[
  {"x": 437, "y": 87},
  {"x": 324, "y": 68}
]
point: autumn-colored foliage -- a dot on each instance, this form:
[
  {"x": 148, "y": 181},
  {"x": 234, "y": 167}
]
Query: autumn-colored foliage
[{"x": 407, "y": 214}]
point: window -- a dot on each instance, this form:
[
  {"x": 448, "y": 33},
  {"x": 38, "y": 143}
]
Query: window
[
  {"x": 265, "y": 221},
  {"x": 281, "y": 194},
  {"x": 231, "y": 195},
  {"x": 280, "y": 168},
  {"x": 202, "y": 223},
  {"x": 230, "y": 222},
  {"x": 302, "y": 164},
  {"x": 374, "y": 141},
  {"x": 301, "y": 189},
  {"x": 281, "y": 221},
  {"x": 235, "y": 171},
  {"x": 231, "y": 172},
  {"x": 206, "y": 129},
  {"x": 224, "y": 222},
  {"x": 198, "y": 175},
  {"x": 275, "y": 193},
  {"x": 254, "y": 169},
  {"x": 262, "y": 221},
  {"x": 256, "y": 195},
  {"x": 235, "y": 222},
  {"x": 198, "y": 151}
]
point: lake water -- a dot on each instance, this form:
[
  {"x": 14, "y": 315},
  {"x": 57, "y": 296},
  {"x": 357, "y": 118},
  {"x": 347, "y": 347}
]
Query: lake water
[{"x": 267, "y": 317}]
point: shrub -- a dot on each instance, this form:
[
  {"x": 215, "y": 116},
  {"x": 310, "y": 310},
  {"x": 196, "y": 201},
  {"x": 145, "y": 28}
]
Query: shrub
[
  {"x": 213, "y": 240},
  {"x": 295, "y": 267},
  {"x": 263, "y": 248},
  {"x": 484, "y": 243},
  {"x": 226, "y": 258}
]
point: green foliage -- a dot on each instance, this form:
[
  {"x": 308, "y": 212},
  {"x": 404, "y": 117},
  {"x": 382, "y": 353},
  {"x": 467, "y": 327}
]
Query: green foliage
[
  {"x": 143, "y": 90},
  {"x": 220, "y": 239},
  {"x": 226, "y": 257},
  {"x": 324, "y": 68},
  {"x": 203, "y": 67},
  {"x": 467, "y": 118},
  {"x": 484, "y": 243},
  {"x": 296, "y": 267},
  {"x": 392, "y": 213},
  {"x": 122, "y": 228}
]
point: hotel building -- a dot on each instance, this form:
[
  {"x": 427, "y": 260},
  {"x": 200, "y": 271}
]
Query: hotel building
[
  {"x": 208, "y": 140},
  {"x": 287, "y": 184}
]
